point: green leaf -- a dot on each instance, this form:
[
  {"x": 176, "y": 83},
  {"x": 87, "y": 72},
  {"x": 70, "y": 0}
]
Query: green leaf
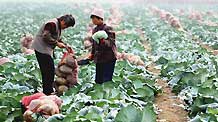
[
  {"x": 36, "y": 73},
  {"x": 145, "y": 92},
  {"x": 137, "y": 84},
  {"x": 213, "y": 111},
  {"x": 148, "y": 114},
  {"x": 71, "y": 117},
  {"x": 56, "y": 118},
  {"x": 93, "y": 116},
  {"x": 129, "y": 114},
  {"x": 162, "y": 61},
  {"x": 19, "y": 77}
]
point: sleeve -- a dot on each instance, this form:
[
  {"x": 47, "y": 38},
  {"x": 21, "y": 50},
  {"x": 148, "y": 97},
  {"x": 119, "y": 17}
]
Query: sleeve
[
  {"x": 50, "y": 34},
  {"x": 110, "y": 41}
]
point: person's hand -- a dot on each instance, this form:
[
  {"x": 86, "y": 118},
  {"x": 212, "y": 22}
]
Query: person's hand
[
  {"x": 99, "y": 35},
  {"x": 61, "y": 45},
  {"x": 60, "y": 40}
]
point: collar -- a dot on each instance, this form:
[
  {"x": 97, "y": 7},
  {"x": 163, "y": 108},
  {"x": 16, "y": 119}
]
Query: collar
[{"x": 101, "y": 26}]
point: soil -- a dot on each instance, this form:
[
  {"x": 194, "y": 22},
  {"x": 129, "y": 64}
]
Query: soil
[{"x": 168, "y": 104}]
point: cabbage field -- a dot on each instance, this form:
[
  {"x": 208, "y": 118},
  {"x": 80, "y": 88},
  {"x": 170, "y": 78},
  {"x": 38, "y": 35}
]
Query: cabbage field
[{"x": 177, "y": 44}]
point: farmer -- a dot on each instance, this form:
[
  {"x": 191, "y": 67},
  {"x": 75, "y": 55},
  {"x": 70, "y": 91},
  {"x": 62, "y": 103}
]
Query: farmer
[
  {"x": 103, "y": 48},
  {"x": 44, "y": 44}
]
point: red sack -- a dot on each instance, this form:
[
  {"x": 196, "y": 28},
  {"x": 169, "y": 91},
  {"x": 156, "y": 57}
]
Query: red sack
[
  {"x": 27, "y": 99},
  {"x": 68, "y": 67},
  {"x": 4, "y": 60},
  {"x": 69, "y": 51}
]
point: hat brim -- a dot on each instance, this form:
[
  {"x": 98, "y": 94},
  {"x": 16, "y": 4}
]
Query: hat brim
[{"x": 95, "y": 16}]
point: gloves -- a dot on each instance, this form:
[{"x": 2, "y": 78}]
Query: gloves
[
  {"x": 99, "y": 35},
  {"x": 83, "y": 62}
]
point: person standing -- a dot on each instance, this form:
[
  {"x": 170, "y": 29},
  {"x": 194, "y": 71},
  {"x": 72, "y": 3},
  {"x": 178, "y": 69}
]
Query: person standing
[
  {"x": 103, "y": 48},
  {"x": 44, "y": 43}
]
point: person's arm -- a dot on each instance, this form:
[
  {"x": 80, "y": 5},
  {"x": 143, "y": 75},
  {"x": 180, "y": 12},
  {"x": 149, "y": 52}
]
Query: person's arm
[
  {"x": 90, "y": 57},
  {"x": 61, "y": 44},
  {"x": 49, "y": 34},
  {"x": 110, "y": 41}
]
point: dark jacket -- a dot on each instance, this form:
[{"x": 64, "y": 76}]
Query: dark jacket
[{"x": 105, "y": 51}]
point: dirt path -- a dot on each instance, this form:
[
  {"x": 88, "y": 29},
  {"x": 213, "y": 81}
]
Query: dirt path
[
  {"x": 169, "y": 105},
  {"x": 166, "y": 102},
  {"x": 207, "y": 47}
]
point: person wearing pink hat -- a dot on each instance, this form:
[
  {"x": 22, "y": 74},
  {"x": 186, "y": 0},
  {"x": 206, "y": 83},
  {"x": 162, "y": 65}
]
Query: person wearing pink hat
[{"x": 103, "y": 48}]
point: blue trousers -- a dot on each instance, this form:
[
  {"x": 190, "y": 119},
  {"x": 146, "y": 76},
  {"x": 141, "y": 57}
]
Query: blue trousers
[{"x": 104, "y": 72}]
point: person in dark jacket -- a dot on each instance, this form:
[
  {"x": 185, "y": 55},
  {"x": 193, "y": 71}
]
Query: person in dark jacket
[
  {"x": 103, "y": 48},
  {"x": 47, "y": 38}
]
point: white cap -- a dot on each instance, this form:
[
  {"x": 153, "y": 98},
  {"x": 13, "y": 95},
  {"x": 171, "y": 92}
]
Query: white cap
[{"x": 98, "y": 13}]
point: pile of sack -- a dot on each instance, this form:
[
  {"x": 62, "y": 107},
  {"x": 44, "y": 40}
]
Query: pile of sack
[
  {"x": 26, "y": 42},
  {"x": 41, "y": 104},
  {"x": 134, "y": 59},
  {"x": 66, "y": 72}
]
